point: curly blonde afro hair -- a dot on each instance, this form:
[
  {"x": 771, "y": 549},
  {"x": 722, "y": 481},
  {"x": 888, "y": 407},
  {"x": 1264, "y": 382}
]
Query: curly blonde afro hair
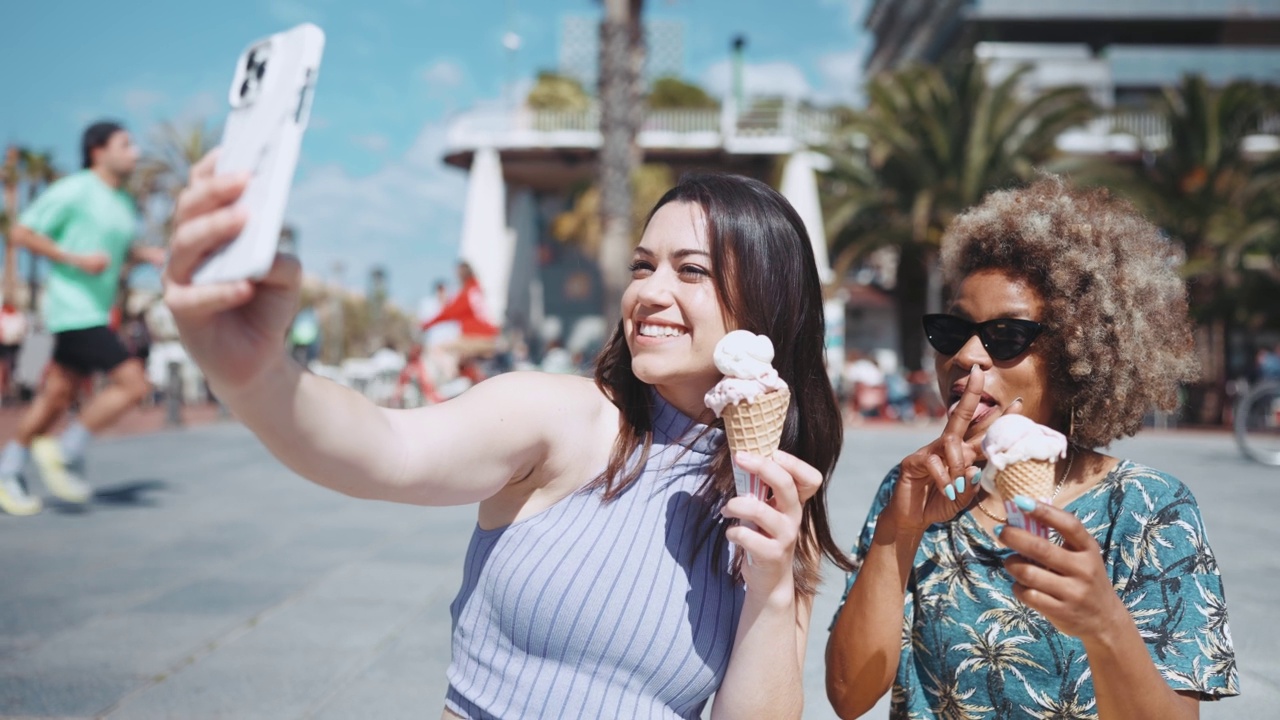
[{"x": 1118, "y": 336}]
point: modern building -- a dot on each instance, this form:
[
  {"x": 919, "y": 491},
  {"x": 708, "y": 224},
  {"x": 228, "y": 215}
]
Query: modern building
[
  {"x": 1123, "y": 51},
  {"x": 1146, "y": 43},
  {"x": 526, "y": 166}
]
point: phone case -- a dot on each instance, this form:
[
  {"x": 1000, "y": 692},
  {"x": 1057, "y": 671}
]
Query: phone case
[{"x": 270, "y": 103}]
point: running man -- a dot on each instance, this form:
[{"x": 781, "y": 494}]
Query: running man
[{"x": 85, "y": 224}]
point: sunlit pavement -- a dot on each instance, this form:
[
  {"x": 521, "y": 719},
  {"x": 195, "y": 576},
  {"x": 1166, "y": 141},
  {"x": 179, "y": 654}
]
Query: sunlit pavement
[{"x": 205, "y": 580}]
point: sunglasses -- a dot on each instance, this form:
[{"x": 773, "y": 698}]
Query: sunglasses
[{"x": 1003, "y": 338}]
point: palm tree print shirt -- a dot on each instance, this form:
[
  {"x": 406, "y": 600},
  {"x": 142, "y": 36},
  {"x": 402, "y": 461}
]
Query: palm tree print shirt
[{"x": 971, "y": 650}]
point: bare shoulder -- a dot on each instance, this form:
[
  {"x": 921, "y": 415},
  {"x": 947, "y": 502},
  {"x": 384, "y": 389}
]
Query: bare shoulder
[{"x": 557, "y": 402}]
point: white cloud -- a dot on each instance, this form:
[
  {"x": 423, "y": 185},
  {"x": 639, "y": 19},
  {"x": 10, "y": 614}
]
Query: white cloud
[
  {"x": 772, "y": 78},
  {"x": 292, "y": 12},
  {"x": 841, "y": 77},
  {"x": 443, "y": 75},
  {"x": 203, "y": 106},
  {"x": 857, "y": 8},
  {"x": 407, "y": 217},
  {"x": 141, "y": 101},
  {"x": 373, "y": 142}
]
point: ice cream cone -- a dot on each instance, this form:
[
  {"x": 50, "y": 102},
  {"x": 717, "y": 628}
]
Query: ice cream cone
[
  {"x": 1032, "y": 478},
  {"x": 755, "y": 426}
]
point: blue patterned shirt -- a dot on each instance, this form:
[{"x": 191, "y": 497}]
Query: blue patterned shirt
[{"x": 971, "y": 650}]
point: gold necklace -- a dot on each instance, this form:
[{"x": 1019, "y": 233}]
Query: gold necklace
[{"x": 1057, "y": 488}]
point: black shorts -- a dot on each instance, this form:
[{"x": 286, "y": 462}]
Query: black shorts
[{"x": 87, "y": 351}]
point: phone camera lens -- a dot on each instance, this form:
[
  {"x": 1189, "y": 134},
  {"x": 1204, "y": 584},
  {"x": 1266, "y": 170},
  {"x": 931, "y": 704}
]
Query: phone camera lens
[
  {"x": 261, "y": 69},
  {"x": 244, "y": 89}
]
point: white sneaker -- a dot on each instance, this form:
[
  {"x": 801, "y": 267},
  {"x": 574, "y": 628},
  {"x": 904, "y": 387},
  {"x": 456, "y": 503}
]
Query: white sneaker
[
  {"x": 61, "y": 479},
  {"x": 14, "y": 498}
]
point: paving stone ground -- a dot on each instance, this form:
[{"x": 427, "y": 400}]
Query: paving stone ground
[{"x": 207, "y": 581}]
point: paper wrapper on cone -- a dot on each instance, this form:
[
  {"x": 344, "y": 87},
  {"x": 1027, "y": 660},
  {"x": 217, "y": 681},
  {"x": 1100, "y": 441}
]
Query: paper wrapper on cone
[
  {"x": 1030, "y": 478},
  {"x": 755, "y": 426}
]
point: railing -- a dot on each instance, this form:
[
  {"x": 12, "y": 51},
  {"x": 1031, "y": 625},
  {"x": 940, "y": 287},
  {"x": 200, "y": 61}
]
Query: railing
[
  {"x": 769, "y": 128},
  {"x": 681, "y": 121},
  {"x": 1153, "y": 128},
  {"x": 780, "y": 120}
]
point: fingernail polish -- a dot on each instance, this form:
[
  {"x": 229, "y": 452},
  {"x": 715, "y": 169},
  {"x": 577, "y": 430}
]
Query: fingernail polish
[
  {"x": 959, "y": 484},
  {"x": 977, "y": 479},
  {"x": 1024, "y": 503},
  {"x": 951, "y": 492},
  {"x": 998, "y": 529}
]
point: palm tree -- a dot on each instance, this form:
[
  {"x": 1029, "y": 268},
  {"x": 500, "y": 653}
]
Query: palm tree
[
  {"x": 1217, "y": 202},
  {"x": 580, "y": 225},
  {"x": 159, "y": 178},
  {"x": 621, "y": 107},
  {"x": 39, "y": 172},
  {"x": 162, "y": 172},
  {"x": 553, "y": 91},
  {"x": 931, "y": 143},
  {"x": 9, "y": 176}
]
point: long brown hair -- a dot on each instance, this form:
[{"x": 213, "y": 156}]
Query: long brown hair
[{"x": 766, "y": 280}]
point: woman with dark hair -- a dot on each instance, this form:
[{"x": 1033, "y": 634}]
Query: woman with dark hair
[
  {"x": 1067, "y": 309},
  {"x": 599, "y": 582}
]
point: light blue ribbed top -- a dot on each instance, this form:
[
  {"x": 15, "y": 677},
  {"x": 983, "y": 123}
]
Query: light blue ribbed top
[{"x": 602, "y": 610}]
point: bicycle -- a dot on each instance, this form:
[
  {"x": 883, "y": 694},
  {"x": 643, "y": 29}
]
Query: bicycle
[{"x": 1257, "y": 423}]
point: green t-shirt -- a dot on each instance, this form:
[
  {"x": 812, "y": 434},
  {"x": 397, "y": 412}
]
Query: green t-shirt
[{"x": 83, "y": 214}]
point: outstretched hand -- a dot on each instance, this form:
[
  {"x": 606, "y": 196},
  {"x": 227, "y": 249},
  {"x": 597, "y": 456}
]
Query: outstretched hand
[
  {"x": 938, "y": 481},
  {"x": 771, "y": 543},
  {"x": 232, "y": 329},
  {"x": 1068, "y": 584}
]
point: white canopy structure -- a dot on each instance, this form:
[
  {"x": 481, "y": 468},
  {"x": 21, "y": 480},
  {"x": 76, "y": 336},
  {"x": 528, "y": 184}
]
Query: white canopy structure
[
  {"x": 800, "y": 187},
  {"x": 487, "y": 244}
]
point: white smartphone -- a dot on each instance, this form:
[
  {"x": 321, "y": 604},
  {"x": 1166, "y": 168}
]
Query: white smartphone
[{"x": 270, "y": 103}]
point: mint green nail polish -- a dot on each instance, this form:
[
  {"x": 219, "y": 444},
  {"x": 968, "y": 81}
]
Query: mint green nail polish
[
  {"x": 1024, "y": 503},
  {"x": 960, "y": 484},
  {"x": 951, "y": 492},
  {"x": 997, "y": 530}
]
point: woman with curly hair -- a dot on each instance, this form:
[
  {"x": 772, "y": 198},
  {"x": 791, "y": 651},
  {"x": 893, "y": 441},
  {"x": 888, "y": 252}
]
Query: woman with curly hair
[{"x": 1067, "y": 309}]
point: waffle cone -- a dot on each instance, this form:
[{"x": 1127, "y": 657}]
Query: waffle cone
[
  {"x": 1032, "y": 478},
  {"x": 755, "y": 426}
]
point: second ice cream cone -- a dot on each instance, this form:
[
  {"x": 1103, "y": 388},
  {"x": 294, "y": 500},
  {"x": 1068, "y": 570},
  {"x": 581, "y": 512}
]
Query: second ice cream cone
[
  {"x": 756, "y": 427},
  {"x": 1033, "y": 478}
]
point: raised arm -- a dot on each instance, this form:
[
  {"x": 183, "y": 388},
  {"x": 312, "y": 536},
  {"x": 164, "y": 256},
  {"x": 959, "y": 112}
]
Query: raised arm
[
  {"x": 765, "y": 677},
  {"x": 462, "y": 451},
  {"x": 935, "y": 483},
  {"x": 32, "y": 241}
]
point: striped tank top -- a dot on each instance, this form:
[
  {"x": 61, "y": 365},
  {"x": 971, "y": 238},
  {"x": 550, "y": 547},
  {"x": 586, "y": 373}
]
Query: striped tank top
[{"x": 602, "y": 610}]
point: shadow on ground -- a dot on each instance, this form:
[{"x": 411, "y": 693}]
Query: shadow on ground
[{"x": 134, "y": 493}]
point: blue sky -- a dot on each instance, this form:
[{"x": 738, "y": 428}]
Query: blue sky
[{"x": 371, "y": 187}]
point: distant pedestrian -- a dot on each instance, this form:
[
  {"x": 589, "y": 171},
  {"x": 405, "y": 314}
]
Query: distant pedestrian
[
  {"x": 86, "y": 225},
  {"x": 1269, "y": 364},
  {"x": 13, "y": 331}
]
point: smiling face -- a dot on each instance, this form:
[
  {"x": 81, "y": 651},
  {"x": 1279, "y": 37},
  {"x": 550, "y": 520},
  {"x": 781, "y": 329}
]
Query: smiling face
[
  {"x": 671, "y": 315},
  {"x": 989, "y": 295}
]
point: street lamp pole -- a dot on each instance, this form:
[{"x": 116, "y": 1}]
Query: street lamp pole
[{"x": 739, "y": 44}]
